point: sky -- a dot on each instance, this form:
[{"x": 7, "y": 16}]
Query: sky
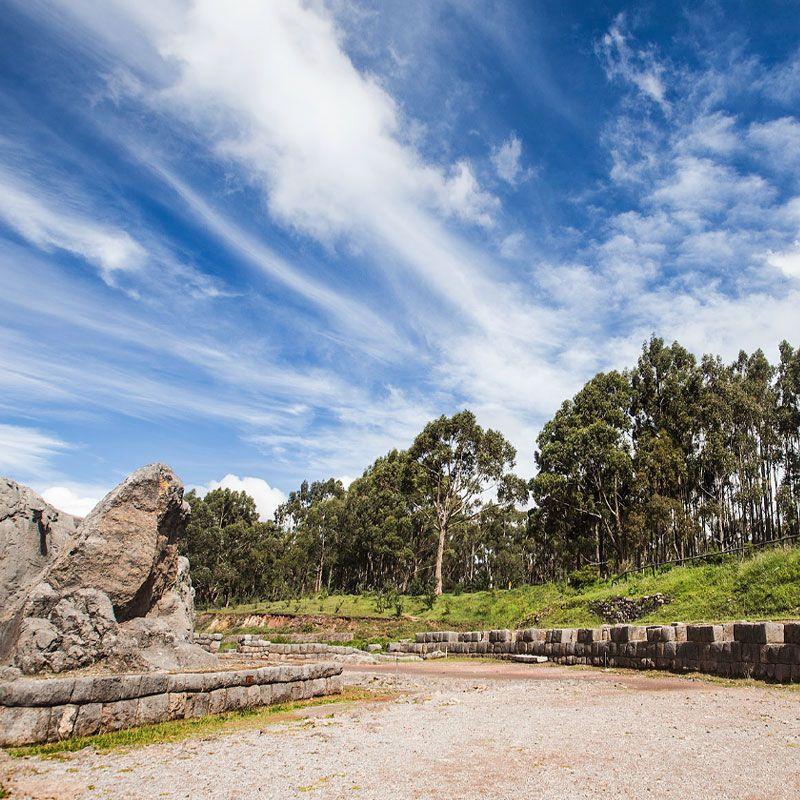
[{"x": 268, "y": 241}]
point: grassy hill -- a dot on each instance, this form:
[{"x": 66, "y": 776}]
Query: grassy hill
[{"x": 764, "y": 586}]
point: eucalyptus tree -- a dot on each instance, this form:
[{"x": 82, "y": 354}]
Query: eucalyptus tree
[
  {"x": 585, "y": 466},
  {"x": 311, "y": 516},
  {"x": 460, "y": 465}
]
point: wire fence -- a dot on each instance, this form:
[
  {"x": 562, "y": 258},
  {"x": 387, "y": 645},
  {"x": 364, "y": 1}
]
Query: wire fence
[{"x": 741, "y": 550}]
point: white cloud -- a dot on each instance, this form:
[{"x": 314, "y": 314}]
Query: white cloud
[
  {"x": 706, "y": 186},
  {"x": 713, "y": 133},
  {"x": 507, "y": 159},
  {"x": 49, "y": 225},
  {"x": 788, "y": 261},
  {"x": 779, "y": 140},
  {"x": 513, "y": 245},
  {"x": 267, "y": 497},
  {"x": 639, "y": 67},
  {"x": 26, "y": 451},
  {"x": 67, "y": 499}
]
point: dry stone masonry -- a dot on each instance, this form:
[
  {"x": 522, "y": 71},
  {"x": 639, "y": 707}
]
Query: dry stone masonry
[
  {"x": 210, "y": 642},
  {"x": 764, "y": 650},
  {"x": 42, "y": 710}
]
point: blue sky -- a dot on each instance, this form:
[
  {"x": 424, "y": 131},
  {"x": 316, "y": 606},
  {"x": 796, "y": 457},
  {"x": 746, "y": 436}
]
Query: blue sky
[{"x": 269, "y": 241}]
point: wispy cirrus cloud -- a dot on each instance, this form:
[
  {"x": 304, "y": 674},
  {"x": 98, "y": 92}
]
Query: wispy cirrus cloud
[
  {"x": 369, "y": 267},
  {"x": 27, "y": 451}
]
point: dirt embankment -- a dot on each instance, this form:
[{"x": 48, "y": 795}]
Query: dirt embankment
[{"x": 321, "y": 624}]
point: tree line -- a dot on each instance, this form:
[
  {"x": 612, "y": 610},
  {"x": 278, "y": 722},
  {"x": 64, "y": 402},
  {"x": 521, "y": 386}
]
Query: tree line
[{"x": 672, "y": 458}]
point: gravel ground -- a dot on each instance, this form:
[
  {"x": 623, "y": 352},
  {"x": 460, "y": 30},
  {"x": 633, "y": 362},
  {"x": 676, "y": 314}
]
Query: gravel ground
[{"x": 467, "y": 730}]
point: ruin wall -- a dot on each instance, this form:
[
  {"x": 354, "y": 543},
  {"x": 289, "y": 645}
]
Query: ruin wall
[
  {"x": 763, "y": 650},
  {"x": 36, "y": 710}
]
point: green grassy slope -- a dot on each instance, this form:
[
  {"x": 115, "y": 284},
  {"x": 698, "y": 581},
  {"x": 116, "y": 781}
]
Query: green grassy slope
[{"x": 765, "y": 586}]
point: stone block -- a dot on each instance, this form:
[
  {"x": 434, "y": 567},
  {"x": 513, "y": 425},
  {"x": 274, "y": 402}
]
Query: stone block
[
  {"x": 197, "y": 704},
  {"x": 188, "y": 682},
  {"x": 87, "y": 722},
  {"x": 106, "y": 689},
  {"x": 154, "y": 683},
  {"x": 281, "y": 692},
  {"x": 62, "y": 722},
  {"x": 30, "y": 692},
  {"x": 118, "y": 714},
  {"x": 622, "y": 634},
  {"x": 235, "y": 698},
  {"x": 23, "y": 724},
  {"x": 152, "y": 708},
  {"x": 502, "y": 635},
  {"x": 265, "y": 694},
  {"x": 783, "y": 673},
  {"x": 791, "y": 632},
  {"x": 217, "y": 701},
  {"x": 176, "y": 705},
  {"x": 660, "y": 633},
  {"x": 704, "y": 633},
  {"x": 758, "y": 632},
  {"x": 253, "y": 696},
  {"x": 680, "y": 631},
  {"x": 687, "y": 651}
]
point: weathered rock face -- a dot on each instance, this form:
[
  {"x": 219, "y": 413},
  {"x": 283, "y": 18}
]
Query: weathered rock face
[
  {"x": 26, "y": 546},
  {"x": 127, "y": 546},
  {"x": 117, "y": 590},
  {"x": 65, "y": 631},
  {"x": 176, "y": 606}
]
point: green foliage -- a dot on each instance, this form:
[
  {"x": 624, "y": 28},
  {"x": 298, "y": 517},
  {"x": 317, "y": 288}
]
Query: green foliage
[
  {"x": 452, "y": 464},
  {"x": 583, "y": 577},
  {"x": 672, "y": 458},
  {"x": 765, "y": 586}
]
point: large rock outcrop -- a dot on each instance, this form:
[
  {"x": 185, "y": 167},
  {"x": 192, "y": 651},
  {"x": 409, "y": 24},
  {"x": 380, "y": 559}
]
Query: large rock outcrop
[
  {"x": 32, "y": 536},
  {"x": 127, "y": 547},
  {"x": 117, "y": 591}
]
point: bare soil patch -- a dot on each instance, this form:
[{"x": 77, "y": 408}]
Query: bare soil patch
[{"x": 470, "y": 730}]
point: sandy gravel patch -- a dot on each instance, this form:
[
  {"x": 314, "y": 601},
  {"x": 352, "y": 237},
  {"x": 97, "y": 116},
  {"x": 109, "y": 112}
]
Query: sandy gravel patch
[{"x": 467, "y": 730}]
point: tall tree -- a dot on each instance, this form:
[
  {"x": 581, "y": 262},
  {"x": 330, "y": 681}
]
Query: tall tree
[{"x": 459, "y": 462}]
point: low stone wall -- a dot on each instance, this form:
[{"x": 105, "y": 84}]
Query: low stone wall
[
  {"x": 208, "y": 641},
  {"x": 255, "y": 647},
  {"x": 763, "y": 650},
  {"x": 43, "y": 710},
  {"x": 313, "y": 638}
]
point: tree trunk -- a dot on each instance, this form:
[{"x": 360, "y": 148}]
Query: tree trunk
[{"x": 439, "y": 558}]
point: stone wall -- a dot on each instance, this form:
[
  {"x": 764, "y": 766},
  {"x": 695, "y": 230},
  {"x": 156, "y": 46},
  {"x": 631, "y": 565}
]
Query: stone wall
[
  {"x": 763, "y": 650},
  {"x": 41, "y": 710},
  {"x": 255, "y": 647},
  {"x": 208, "y": 641}
]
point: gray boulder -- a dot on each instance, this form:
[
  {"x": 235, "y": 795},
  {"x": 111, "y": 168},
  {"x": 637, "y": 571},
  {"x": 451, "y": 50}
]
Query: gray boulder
[
  {"x": 148, "y": 643},
  {"x": 65, "y": 631},
  {"x": 176, "y": 606},
  {"x": 117, "y": 590},
  {"x": 32, "y": 535},
  {"x": 128, "y": 545}
]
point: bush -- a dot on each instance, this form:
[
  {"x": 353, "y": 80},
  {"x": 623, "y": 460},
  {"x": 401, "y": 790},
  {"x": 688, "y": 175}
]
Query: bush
[{"x": 583, "y": 577}]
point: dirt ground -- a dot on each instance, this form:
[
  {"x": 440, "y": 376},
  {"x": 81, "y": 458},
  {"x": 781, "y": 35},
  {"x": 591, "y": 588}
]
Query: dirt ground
[{"x": 471, "y": 730}]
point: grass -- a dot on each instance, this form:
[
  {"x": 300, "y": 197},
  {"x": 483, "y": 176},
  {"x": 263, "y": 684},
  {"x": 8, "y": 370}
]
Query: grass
[
  {"x": 229, "y": 722},
  {"x": 763, "y": 586}
]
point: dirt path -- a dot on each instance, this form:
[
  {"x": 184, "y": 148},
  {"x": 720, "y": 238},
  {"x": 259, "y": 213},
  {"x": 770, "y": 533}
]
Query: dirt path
[{"x": 466, "y": 730}]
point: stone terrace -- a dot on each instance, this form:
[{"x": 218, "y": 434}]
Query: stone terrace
[{"x": 763, "y": 650}]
